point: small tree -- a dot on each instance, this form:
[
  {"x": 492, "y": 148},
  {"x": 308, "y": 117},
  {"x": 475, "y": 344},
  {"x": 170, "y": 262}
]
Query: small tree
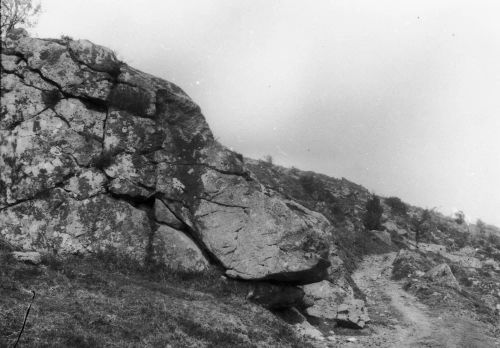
[
  {"x": 459, "y": 217},
  {"x": 397, "y": 205},
  {"x": 15, "y": 12},
  {"x": 268, "y": 159},
  {"x": 423, "y": 225},
  {"x": 481, "y": 227},
  {"x": 373, "y": 214}
]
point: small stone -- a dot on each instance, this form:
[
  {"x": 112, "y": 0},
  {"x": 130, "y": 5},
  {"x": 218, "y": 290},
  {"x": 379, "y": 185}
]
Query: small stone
[{"x": 32, "y": 257}]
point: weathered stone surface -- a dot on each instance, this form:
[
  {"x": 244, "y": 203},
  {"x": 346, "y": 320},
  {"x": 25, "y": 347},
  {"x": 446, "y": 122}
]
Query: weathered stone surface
[
  {"x": 77, "y": 123},
  {"x": 390, "y": 226},
  {"x": 38, "y": 154},
  {"x": 19, "y": 102},
  {"x": 177, "y": 251},
  {"x": 276, "y": 296},
  {"x": 492, "y": 263},
  {"x": 55, "y": 62},
  {"x": 324, "y": 299},
  {"x": 80, "y": 118},
  {"x": 464, "y": 260},
  {"x": 383, "y": 236},
  {"x": 97, "y": 57},
  {"x": 125, "y": 132},
  {"x": 59, "y": 222},
  {"x": 330, "y": 301},
  {"x": 259, "y": 236},
  {"x": 88, "y": 183},
  {"x": 442, "y": 274},
  {"x": 33, "y": 257},
  {"x": 164, "y": 214},
  {"x": 352, "y": 314},
  {"x": 302, "y": 326}
]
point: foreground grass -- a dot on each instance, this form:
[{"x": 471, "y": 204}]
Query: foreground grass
[{"x": 101, "y": 301}]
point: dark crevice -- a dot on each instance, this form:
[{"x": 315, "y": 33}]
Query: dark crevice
[
  {"x": 104, "y": 128},
  {"x": 147, "y": 205},
  {"x": 62, "y": 119},
  {"x": 134, "y": 201},
  {"x": 224, "y": 204},
  {"x": 42, "y": 194},
  {"x": 195, "y": 237},
  {"x": 14, "y": 125}
]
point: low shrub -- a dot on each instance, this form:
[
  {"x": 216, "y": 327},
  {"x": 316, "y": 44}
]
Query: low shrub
[
  {"x": 51, "y": 98},
  {"x": 104, "y": 159},
  {"x": 131, "y": 99},
  {"x": 397, "y": 205},
  {"x": 373, "y": 216}
]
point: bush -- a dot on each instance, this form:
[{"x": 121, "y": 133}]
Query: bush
[
  {"x": 104, "y": 159},
  {"x": 397, "y": 205},
  {"x": 51, "y": 98},
  {"x": 373, "y": 214},
  {"x": 131, "y": 99},
  {"x": 494, "y": 240},
  {"x": 268, "y": 159},
  {"x": 423, "y": 225},
  {"x": 66, "y": 38},
  {"x": 308, "y": 183}
]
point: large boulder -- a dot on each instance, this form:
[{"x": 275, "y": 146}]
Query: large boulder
[
  {"x": 326, "y": 300},
  {"x": 353, "y": 313},
  {"x": 442, "y": 275},
  {"x": 89, "y": 144},
  {"x": 323, "y": 299}
]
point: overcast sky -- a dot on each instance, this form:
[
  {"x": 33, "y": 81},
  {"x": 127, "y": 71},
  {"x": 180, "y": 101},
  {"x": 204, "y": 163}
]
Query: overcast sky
[{"x": 402, "y": 97}]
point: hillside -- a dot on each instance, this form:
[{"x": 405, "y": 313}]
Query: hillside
[{"x": 470, "y": 289}]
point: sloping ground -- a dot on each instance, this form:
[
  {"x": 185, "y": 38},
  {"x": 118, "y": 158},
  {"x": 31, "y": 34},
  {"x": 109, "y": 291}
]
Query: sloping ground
[
  {"x": 399, "y": 319},
  {"x": 106, "y": 302}
]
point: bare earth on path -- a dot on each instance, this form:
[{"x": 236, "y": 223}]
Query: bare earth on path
[{"x": 400, "y": 320}]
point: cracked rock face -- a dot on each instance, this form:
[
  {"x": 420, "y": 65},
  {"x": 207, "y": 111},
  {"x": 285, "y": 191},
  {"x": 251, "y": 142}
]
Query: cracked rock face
[{"x": 95, "y": 154}]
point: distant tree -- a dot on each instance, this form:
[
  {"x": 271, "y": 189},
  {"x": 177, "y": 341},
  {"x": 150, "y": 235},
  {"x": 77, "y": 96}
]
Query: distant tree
[
  {"x": 423, "y": 225},
  {"x": 17, "y": 12},
  {"x": 481, "y": 227},
  {"x": 268, "y": 159},
  {"x": 459, "y": 217},
  {"x": 397, "y": 205},
  {"x": 373, "y": 216}
]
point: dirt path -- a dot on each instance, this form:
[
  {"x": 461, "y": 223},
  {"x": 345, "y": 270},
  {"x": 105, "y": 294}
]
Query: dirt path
[{"x": 400, "y": 320}]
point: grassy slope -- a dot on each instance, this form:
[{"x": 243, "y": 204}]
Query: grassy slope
[{"x": 101, "y": 301}]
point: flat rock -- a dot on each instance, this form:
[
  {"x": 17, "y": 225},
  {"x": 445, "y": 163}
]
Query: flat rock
[
  {"x": 442, "y": 274},
  {"x": 324, "y": 299},
  {"x": 352, "y": 313},
  {"x": 32, "y": 257}
]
